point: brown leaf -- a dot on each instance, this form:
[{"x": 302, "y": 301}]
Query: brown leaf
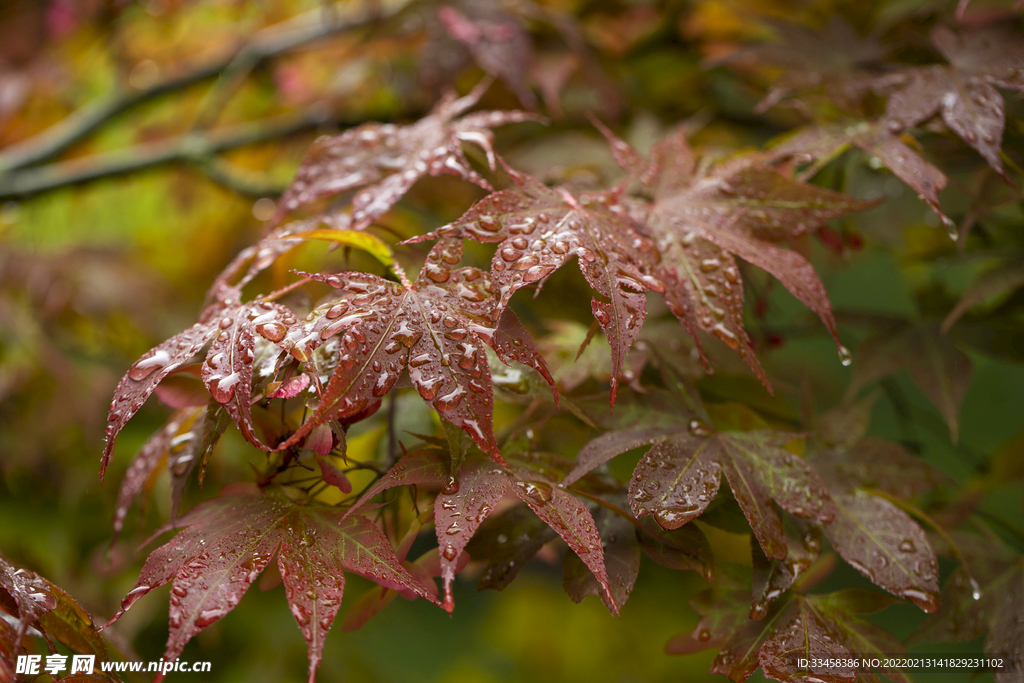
[
  {"x": 884, "y": 544},
  {"x": 964, "y": 93}
]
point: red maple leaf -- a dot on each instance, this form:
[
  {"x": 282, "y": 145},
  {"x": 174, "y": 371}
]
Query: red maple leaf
[
  {"x": 228, "y": 541},
  {"x": 965, "y": 92},
  {"x": 385, "y": 160},
  {"x": 541, "y": 228},
  {"x": 703, "y": 213},
  {"x": 435, "y": 328}
]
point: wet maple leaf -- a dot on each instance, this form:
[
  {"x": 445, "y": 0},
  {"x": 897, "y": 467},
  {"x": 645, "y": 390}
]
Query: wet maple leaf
[
  {"x": 173, "y": 440},
  {"x": 459, "y": 510},
  {"x": 228, "y": 541},
  {"x": 798, "y": 626},
  {"x": 821, "y": 144},
  {"x": 873, "y": 534},
  {"x": 144, "y": 375},
  {"x": 468, "y": 499},
  {"x": 685, "y": 548},
  {"x": 383, "y": 161},
  {"x": 703, "y": 214},
  {"x": 30, "y": 593},
  {"x": 965, "y": 92},
  {"x": 496, "y": 41},
  {"x": 541, "y": 228},
  {"x": 621, "y": 559},
  {"x": 680, "y": 474},
  {"x": 435, "y": 327},
  {"x": 884, "y": 544},
  {"x": 226, "y": 371},
  {"x": 506, "y": 542},
  {"x": 34, "y": 602},
  {"x": 571, "y": 519},
  {"x": 771, "y": 576}
]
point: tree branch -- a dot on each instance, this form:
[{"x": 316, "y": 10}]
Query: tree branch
[
  {"x": 270, "y": 42},
  {"x": 198, "y": 148}
]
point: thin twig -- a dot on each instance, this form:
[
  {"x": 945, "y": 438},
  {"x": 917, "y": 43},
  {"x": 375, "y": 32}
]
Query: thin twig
[{"x": 392, "y": 441}]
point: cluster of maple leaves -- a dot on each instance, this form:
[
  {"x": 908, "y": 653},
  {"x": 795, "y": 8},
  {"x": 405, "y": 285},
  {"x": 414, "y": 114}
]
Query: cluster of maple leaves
[{"x": 674, "y": 227}]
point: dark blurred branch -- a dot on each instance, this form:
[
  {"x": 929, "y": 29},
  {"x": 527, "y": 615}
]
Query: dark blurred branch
[
  {"x": 270, "y": 42},
  {"x": 198, "y": 148}
]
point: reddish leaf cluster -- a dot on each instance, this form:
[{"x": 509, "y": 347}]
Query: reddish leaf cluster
[{"x": 677, "y": 225}]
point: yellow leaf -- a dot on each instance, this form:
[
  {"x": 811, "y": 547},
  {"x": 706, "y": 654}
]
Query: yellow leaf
[{"x": 352, "y": 238}]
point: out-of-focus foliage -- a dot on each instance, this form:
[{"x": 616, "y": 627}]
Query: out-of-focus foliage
[{"x": 240, "y": 187}]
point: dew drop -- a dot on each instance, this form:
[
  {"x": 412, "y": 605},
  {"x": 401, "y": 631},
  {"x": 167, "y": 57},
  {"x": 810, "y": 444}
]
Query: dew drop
[
  {"x": 418, "y": 360},
  {"x": 449, "y": 552},
  {"x": 383, "y": 383},
  {"x": 223, "y": 389},
  {"x": 274, "y": 332},
  {"x": 336, "y": 311},
  {"x": 535, "y": 490},
  {"x": 975, "y": 588},
  {"x": 428, "y": 386},
  {"x": 406, "y": 334},
  {"x": 452, "y": 487},
  {"x": 147, "y": 366},
  {"x": 509, "y": 254},
  {"x": 449, "y": 401},
  {"x": 844, "y": 356},
  {"x": 698, "y": 428},
  {"x": 951, "y": 228},
  {"x": 526, "y": 263}
]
